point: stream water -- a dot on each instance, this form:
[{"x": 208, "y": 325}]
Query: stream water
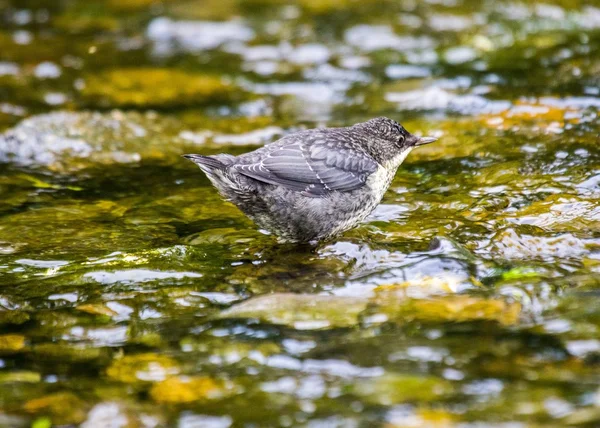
[{"x": 131, "y": 295}]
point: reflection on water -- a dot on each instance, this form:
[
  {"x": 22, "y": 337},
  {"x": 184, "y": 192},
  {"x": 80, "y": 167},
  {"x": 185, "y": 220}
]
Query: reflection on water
[{"x": 131, "y": 295}]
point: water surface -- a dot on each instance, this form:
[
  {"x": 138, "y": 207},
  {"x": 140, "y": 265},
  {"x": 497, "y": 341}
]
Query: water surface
[{"x": 130, "y": 292}]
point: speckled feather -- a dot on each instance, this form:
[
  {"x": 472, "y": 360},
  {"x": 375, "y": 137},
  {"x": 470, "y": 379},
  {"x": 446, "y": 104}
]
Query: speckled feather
[{"x": 313, "y": 184}]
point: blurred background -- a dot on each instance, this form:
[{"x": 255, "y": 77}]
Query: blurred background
[{"x": 131, "y": 295}]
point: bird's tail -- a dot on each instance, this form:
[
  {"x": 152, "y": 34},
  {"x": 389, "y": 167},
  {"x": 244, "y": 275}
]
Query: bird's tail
[{"x": 206, "y": 163}]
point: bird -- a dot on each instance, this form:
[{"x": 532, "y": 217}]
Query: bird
[{"x": 312, "y": 185}]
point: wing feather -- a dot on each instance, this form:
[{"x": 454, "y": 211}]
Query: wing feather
[{"x": 309, "y": 165}]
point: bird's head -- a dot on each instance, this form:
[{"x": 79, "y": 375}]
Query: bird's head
[{"x": 391, "y": 131}]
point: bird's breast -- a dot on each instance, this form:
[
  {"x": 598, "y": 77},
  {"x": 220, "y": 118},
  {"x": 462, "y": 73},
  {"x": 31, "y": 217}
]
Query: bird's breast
[{"x": 381, "y": 179}]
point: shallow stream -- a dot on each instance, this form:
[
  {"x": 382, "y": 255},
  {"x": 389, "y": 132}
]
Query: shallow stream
[{"x": 131, "y": 293}]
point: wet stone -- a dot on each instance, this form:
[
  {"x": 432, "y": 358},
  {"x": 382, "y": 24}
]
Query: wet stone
[
  {"x": 300, "y": 311},
  {"x": 154, "y": 88},
  {"x": 67, "y": 141}
]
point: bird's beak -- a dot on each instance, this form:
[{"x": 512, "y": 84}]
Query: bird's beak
[{"x": 425, "y": 140}]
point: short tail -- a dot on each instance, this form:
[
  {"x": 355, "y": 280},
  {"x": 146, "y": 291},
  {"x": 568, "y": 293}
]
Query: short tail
[{"x": 206, "y": 162}]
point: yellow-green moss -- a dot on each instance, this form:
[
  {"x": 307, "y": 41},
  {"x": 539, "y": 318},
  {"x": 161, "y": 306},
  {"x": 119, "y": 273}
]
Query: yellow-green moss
[
  {"x": 184, "y": 389},
  {"x": 154, "y": 88},
  {"x": 142, "y": 368},
  {"x": 62, "y": 407}
]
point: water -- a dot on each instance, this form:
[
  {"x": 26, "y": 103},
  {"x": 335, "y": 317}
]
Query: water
[{"x": 130, "y": 293}]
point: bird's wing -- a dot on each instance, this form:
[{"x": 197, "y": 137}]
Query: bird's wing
[{"x": 311, "y": 165}]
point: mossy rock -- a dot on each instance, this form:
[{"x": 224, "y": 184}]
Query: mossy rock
[
  {"x": 318, "y": 7},
  {"x": 326, "y": 6},
  {"x": 425, "y": 286},
  {"x": 13, "y": 317},
  {"x": 134, "y": 5},
  {"x": 142, "y": 368},
  {"x": 401, "y": 388},
  {"x": 154, "y": 88},
  {"x": 20, "y": 377},
  {"x": 10, "y": 343},
  {"x": 97, "y": 309},
  {"x": 303, "y": 312},
  {"x": 453, "y": 308},
  {"x": 204, "y": 9},
  {"x": 65, "y": 352},
  {"x": 68, "y": 141},
  {"x": 226, "y": 351},
  {"x": 184, "y": 389},
  {"x": 74, "y": 22},
  {"x": 513, "y": 243},
  {"x": 426, "y": 417},
  {"x": 62, "y": 407}
]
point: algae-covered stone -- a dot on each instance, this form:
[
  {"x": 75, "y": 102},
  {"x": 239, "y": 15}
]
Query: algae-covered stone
[
  {"x": 561, "y": 213},
  {"x": 20, "y": 377},
  {"x": 66, "y": 141},
  {"x": 66, "y": 352},
  {"x": 303, "y": 312},
  {"x": 184, "y": 389},
  {"x": 97, "y": 309},
  {"x": 222, "y": 351},
  {"x": 454, "y": 308},
  {"x": 423, "y": 417},
  {"x": 154, "y": 88},
  {"x": 142, "y": 368},
  {"x": 133, "y": 5},
  {"x": 81, "y": 21},
  {"x": 326, "y": 6},
  {"x": 206, "y": 9},
  {"x": 13, "y": 317},
  {"x": 10, "y": 343},
  {"x": 397, "y": 388},
  {"x": 510, "y": 243},
  {"x": 285, "y": 272},
  {"x": 62, "y": 407},
  {"x": 121, "y": 413},
  {"x": 229, "y": 236},
  {"x": 421, "y": 287}
]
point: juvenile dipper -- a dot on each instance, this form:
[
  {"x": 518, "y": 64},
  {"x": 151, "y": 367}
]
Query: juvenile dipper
[{"x": 314, "y": 184}]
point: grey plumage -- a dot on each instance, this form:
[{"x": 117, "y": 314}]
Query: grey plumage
[{"x": 313, "y": 184}]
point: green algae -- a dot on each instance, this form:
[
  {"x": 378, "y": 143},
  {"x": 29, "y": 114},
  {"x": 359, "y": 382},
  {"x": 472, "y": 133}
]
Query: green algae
[
  {"x": 141, "y": 368},
  {"x": 395, "y": 388},
  {"x": 62, "y": 408},
  {"x": 300, "y": 311},
  {"x": 153, "y": 88}
]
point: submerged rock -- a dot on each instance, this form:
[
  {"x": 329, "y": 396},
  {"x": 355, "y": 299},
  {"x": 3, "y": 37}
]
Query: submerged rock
[
  {"x": 314, "y": 312},
  {"x": 187, "y": 389},
  {"x": 71, "y": 141},
  {"x": 195, "y": 36},
  {"x": 142, "y": 368},
  {"x": 436, "y": 98},
  {"x": 453, "y": 308},
  {"x": 65, "y": 408},
  {"x": 154, "y": 88},
  {"x": 370, "y": 38},
  {"x": 303, "y": 312},
  {"x": 511, "y": 244},
  {"x": 400, "y": 388},
  {"x": 65, "y": 141},
  {"x": 560, "y": 213},
  {"x": 10, "y": 343}
]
